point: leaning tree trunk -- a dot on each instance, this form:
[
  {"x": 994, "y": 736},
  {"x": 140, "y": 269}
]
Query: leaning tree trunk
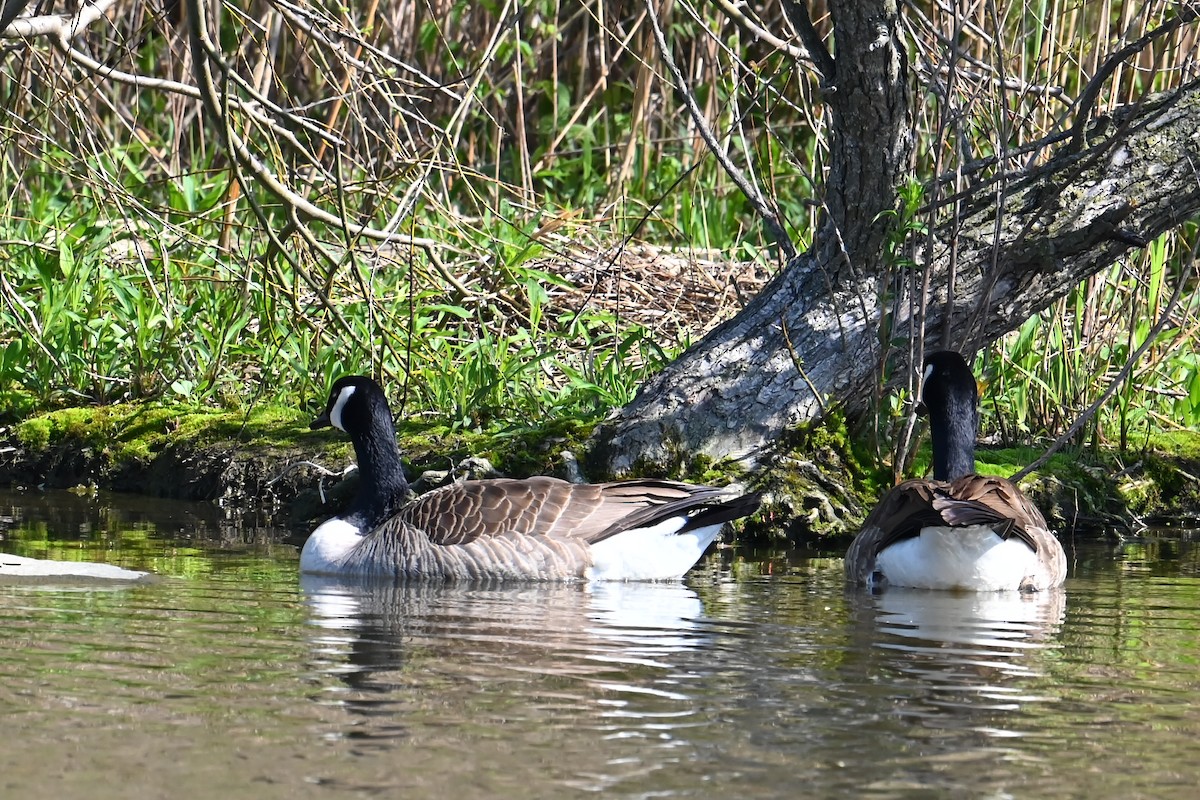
[{"x": 813, "y": 335}]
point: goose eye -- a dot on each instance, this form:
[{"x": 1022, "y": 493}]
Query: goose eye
[{"x": 335, "y": 415}]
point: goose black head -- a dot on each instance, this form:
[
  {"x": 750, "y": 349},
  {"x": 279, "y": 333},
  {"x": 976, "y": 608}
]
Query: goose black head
[
  {"x": 358, "y": 407},
  {"x": 355, "y": 404}
]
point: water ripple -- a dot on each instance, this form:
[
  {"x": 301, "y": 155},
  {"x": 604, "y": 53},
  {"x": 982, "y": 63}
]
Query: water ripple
[{"x": 232, "y": 677}]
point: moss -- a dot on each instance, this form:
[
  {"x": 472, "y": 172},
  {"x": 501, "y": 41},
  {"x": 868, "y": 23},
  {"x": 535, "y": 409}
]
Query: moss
[
  {"x": 34, "y": 434},
  {"x": 1163, "y": 481},
  {"x": 88, "y": 426},
  {"x": 127, "y": 431},
  {"x": 1179, "y": 444},
  {"x": 693, "y": 468},
  {"x": 517, "y": 451},
  {"x": 1109, "y": 488},
  {"x": 164, "y": 450},
  {"x": 718, "y": 472},
  {"x": 534, "y": 450},
  {"x": 514, "y": 450},
  {"x": 1072, "y": 492},
  {"x": 819, "y": 484}
]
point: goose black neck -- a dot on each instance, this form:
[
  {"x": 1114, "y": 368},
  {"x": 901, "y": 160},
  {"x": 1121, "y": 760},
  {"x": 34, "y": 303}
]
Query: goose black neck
[
  {"x": 381, "y": 473},
  {"x": 953, "y": 426}
]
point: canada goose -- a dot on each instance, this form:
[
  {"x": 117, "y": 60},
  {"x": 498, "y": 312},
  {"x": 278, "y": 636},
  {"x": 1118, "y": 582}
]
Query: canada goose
[
  {"x": 539, "y": 528},
  {"x": 960, "y": 530}
]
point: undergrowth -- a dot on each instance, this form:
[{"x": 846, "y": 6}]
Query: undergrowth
[{"x": 508, "y": 158}]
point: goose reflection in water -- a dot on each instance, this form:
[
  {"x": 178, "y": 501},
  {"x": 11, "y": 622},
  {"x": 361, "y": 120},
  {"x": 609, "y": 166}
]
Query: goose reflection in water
[
  {"x": 971, "y": 651},
  {"x": 371, "y": 633},
  {"x": 600, "y": 675}
]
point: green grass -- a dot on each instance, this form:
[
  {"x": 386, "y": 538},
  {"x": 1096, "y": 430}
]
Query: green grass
[{"x": 1057, "y": 362}]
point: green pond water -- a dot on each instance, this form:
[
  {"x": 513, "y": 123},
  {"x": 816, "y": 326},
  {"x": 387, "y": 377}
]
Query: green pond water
[{"x": 230, "y": 677}]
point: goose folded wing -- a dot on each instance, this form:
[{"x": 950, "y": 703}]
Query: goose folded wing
[
  {"x": 544, "y": 506},
  {"x": 644, "y": 503},
  {"x": 900, "y": 515},
  {"x": 988, "y": 500}
]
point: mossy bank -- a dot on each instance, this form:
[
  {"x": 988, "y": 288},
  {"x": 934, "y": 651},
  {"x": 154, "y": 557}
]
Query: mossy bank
[{"x": 265, "y": 464}]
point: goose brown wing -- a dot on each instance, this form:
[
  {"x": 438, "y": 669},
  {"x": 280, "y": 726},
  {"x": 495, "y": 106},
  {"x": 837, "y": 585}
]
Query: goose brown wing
[
  {"x": 543, "y": 506},
  {"x": 970, "y": 500},
  {"x": 637, "y": 504},
  {"x": 990, "y": 500},
  {"x": 463, "y": 512},
  {"x": 901, "y": 514}
]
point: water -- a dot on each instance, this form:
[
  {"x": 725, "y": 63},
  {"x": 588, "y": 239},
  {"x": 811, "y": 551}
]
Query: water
[{"x": 230, "y": 677}]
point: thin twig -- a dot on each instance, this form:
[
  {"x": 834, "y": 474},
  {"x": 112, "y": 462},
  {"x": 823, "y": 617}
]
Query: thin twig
[
  {"x": 797, "y": 14},
  {"x": 60, "y": 31},
  {"x": 205, "y": 53},
  {"x": 737, "y": 13},
  {"x": 798, "y": 363}
]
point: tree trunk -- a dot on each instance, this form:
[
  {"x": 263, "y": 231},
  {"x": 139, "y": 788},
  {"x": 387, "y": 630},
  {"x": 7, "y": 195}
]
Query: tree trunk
[{"x": 814, "y": 335}]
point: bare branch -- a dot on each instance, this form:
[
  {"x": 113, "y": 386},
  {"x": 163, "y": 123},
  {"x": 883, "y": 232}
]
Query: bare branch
[
  {"x": 54, "y": 25},
  {"x": 61, "y": 31},
  {"x": 205, "y": 53},
  {"x": 1187, "y": 13},
  {"x": 797, "y": 14},
  {"x": 735, "y": 12}
]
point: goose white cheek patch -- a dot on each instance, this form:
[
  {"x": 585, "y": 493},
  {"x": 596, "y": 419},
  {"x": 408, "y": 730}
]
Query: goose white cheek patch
[
  {"x": 924, "y": 380},
  {"x": 335, "y": 416}
]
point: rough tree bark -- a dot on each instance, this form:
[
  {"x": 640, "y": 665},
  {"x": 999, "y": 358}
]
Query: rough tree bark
[{"x": 812, "y": 335}]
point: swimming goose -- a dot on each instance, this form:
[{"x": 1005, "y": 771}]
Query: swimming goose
[
  {"x": 960, "y": 530},
  {"x": 539, "y": 528}
]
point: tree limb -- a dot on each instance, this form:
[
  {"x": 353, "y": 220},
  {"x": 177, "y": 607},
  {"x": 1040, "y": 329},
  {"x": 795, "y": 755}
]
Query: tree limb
[
  {"x": 734, "y": 394},
  {"x": 55, "y": 25},
  {"x": 797, "y": 14},
  {"x": 751, "y": 26}
]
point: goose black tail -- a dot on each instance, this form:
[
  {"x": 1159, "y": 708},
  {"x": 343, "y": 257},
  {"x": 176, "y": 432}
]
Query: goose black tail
[{"x": 727, "y": 511}]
